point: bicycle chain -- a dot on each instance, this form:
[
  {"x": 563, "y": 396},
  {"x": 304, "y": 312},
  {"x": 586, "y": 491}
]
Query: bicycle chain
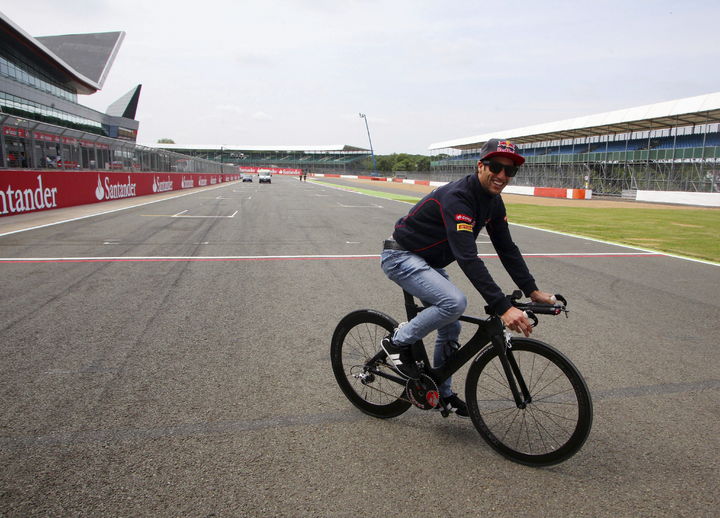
[
  {"x": 408, "y": 399},
  {"x": 362, "y": 367}
]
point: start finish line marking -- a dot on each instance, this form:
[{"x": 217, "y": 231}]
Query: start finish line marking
[
  {"x": 182, "y": 214},
  {"x": 16, "y": 260}
]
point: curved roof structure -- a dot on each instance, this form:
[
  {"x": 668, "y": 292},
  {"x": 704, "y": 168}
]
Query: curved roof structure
[
  {"x": 332, "y": 148},
  {"x": 80, "y": 60},
  {"x": 702, "y": 109},
  {"x": 91, "y": 54},
  {"x": 127, "y": 105}
]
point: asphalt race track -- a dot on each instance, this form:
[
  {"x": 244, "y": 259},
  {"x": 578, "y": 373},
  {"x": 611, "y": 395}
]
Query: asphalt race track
[{"x": 172, "y": 359}]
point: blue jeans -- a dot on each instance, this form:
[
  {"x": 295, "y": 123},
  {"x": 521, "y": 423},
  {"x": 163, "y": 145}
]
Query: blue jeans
[{"x": 445, "y": 303}]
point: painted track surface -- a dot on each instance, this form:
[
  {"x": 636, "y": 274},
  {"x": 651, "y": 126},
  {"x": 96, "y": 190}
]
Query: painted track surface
[{"x": 172, "y": 360}]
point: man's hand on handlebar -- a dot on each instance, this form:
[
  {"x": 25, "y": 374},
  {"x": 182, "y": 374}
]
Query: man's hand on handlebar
[
  {"x": 522, "y": 317},
  {"x": 515, "y": 320},
  {"x": 542, "y": 298}
]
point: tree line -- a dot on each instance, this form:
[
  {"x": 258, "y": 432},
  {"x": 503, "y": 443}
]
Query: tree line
[
  {"x": 385, "y": 163},
  {"x": 400, "y": 162}
]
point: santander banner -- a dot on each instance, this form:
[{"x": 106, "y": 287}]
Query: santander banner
[
  {"x": 271, "y": 170},
  {"x": 24, "y": 191}
]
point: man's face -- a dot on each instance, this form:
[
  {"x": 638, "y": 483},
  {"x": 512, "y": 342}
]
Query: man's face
[{"x": 494, "y": 183}]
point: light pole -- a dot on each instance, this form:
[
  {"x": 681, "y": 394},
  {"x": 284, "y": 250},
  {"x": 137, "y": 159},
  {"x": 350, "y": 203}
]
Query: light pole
[{"x": 372, "y": 153}]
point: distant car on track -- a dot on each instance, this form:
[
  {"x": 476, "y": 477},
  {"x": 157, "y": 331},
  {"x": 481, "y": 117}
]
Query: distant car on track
[
  {"x": 264, "y": 177},
  {"x": 247, "y": 177}
]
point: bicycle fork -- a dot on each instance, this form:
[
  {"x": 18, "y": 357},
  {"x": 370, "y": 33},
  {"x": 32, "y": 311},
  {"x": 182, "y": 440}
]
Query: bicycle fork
[{"x": 512, "y": 372}]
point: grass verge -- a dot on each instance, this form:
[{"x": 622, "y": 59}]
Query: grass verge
[
  {"x": 685, "y": 232},
  {"x": 371, "y": 192}
]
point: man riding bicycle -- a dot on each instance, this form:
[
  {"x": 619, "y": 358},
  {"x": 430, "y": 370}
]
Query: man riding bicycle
[{"x": 442, "y": 228}]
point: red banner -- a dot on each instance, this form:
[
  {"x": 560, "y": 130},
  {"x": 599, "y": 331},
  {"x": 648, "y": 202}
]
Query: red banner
[
  {"x": 24, "y": 191},
  {"x": 11, "y": 131}
]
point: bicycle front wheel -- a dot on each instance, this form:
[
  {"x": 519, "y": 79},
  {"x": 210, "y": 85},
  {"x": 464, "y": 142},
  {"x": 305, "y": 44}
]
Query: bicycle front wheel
[
  {"x": 358, "y": 367},
  {"x": 555, "y": 422}
]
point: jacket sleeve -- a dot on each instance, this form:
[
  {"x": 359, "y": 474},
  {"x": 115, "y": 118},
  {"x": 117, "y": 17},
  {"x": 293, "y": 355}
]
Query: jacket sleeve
[
  {"x": 459, "y": 219},
  {"x": 507, "y": 250}
]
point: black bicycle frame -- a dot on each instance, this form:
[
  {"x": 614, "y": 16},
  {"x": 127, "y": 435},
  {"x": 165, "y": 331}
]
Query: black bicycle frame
[{"x": 488, "y": 331}]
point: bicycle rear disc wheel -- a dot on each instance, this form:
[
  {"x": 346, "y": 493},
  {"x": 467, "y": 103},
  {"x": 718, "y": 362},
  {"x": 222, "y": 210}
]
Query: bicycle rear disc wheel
[
  {"x": 552, "y": 427},
  {"x": 355, "y": 342}
]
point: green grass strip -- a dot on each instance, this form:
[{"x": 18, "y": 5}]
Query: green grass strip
[
  {"x": 690, "y": 233},
  {"x": 371, "y": 192},
  {"x": 686, "y": 232}
]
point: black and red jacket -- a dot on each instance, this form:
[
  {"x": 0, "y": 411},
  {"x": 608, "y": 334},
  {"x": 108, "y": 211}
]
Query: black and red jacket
[{"x": 444, "y": 225}]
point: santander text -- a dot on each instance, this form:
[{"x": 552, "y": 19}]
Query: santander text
[{"x": 25, "y": 200}]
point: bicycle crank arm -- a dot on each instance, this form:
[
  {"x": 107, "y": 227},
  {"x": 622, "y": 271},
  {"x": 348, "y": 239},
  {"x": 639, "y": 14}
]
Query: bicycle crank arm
[{"x": 360, "y": 377}]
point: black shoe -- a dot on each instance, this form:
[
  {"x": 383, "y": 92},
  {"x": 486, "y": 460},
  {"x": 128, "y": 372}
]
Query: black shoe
[
  {"x": 401, "y": 358},
  {"x": 454, "y": 404}
]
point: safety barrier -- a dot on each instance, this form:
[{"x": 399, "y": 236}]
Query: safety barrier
[
  {"x": 703, "y": 199},
  {"x": 547, "y": 192},
  {"x": 25, "y": 190}
]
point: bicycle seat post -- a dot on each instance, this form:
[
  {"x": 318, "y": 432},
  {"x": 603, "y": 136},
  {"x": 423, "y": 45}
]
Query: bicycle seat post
[
  {"x": 411, "y": 308},
  {"x": 418, "y": 348}
]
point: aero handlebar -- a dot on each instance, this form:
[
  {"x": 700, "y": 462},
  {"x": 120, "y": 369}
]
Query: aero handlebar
[{"x": 533, "y": 308}]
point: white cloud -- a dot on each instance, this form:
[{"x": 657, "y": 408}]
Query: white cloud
[
  {"x": 261, "y": 116},
  {"x": 230, "y": 108}
]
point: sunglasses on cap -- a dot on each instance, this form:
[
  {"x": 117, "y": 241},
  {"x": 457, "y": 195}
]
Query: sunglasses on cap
[{"x": 496, "y": 167}]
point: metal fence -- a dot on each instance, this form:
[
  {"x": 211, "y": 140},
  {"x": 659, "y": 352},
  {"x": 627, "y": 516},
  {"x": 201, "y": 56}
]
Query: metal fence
[{"x": 604, "y": 178}]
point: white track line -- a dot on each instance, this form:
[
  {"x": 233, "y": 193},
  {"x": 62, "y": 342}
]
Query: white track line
[
  {"x": 113, "y": 210},
  {"x": 283, "y": 257}
]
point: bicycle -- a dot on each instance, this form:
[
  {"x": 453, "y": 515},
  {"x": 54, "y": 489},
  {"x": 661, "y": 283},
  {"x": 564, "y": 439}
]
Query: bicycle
[{"x": 525, "y": 398}]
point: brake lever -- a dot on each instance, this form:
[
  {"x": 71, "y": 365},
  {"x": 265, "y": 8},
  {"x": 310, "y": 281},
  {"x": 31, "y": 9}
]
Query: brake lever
[
  {"x": 531, "y": 316},
  {"x": 564, "y": 304}
]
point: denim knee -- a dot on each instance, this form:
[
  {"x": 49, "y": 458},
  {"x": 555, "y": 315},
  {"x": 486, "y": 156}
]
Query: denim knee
[{"x": 454, "y": 304}]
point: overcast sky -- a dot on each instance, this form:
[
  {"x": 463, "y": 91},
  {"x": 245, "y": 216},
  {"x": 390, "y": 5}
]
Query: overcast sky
[{"x": 280, "y": 72}]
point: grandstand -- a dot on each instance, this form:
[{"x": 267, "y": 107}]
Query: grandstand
[
  {"x": 670, "y": 146},
  {"x": 41, "y": 78},
  {"x": 42, "y": 124},
  {"x": 340, "y": 158}
]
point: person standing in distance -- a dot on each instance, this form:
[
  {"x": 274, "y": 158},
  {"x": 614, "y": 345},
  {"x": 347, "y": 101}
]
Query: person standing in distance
[{"x": 442, "y": 228}]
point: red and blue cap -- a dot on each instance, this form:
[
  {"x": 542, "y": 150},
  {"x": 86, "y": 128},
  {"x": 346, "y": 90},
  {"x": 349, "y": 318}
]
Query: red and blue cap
[{"x": 497, "y": 147}]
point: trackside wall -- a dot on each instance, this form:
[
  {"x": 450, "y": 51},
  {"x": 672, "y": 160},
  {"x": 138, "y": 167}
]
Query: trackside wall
[
  {"x": 24, "y": 190},
  {"x": 548, "y": 192},
  {"x": 702, "y": 199},
  {"x": 705, "y": 199}
]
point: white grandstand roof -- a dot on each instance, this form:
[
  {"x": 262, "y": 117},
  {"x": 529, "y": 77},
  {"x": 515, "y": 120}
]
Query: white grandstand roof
[
  {"x": 332, "y": 148},
  {"x": 701, "y": 109},
  {"x": 83, "y": 84}
]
